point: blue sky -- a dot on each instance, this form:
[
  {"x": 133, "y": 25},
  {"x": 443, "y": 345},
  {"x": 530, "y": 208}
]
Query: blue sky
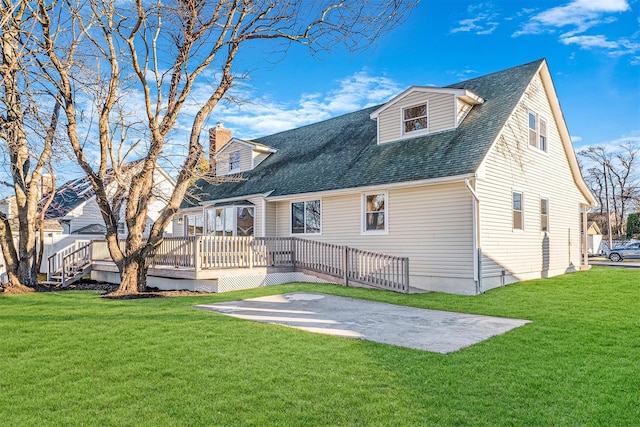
[{"x": 592, "y": 48}]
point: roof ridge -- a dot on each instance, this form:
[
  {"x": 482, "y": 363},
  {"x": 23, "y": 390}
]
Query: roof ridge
[{"x": 510, "y": 69}]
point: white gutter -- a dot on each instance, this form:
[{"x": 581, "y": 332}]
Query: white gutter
[
  {"x": 477, "y": 267},
  {"x": 233, "y": 199},
  {"x": 405, "y": 184}
]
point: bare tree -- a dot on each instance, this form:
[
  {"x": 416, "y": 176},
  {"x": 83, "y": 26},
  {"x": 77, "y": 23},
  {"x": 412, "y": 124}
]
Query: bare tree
[
  {"x": 160, "y": 52},
  {"x": 29, "y": 151},
  {"x": 614, "y": 178}
]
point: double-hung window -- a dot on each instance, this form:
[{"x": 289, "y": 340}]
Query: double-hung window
[
  {"x": 538, "y": 132},
  {"x": 375, "y": 213},
  {"x": 543, "y": 135},
  {"x": 306, "y": 217},
  {"x": 415, "y": 118},
  {"x": 234, "y": 161},
  {"x": 518, "y": 222},
  {"x": 544, "y": 215},
  {"x": 533, "y": 129}
]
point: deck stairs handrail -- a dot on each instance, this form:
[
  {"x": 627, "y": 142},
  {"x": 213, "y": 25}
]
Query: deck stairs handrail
[{"x": 69, "y": 264}]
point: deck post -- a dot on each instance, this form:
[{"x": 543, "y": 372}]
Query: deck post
[
  {"x": 196, "y": 255},
  {"x": 345, "y": 262},
  {"x": 293, "y": 251},
  {"x": 250, "y": 252},
  {"x": 406, "y": 275}
]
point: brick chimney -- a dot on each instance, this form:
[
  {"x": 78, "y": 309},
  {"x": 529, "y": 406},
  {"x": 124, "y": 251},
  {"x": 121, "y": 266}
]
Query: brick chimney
[
  {"x": 46, "y": 185},
  {"x": 218, "y": 137}
]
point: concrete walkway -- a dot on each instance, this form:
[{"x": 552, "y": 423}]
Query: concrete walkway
[{"x": 431, "y": 330}]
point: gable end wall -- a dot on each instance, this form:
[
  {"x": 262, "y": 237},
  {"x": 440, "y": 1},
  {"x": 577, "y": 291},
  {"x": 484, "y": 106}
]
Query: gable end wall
[{"x": 512, "y": 166}]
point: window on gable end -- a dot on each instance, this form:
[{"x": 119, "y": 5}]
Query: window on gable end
[
  {"x": 518, "y": 223},
  {"x": 415, "y": 118},
  {"x": 533, "y": 129},
  {"x": 543, "y": 135},
  {"x": 544, "y": 215}
]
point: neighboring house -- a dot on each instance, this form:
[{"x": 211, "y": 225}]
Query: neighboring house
[
  {"x": 74, "y": 205},
  {"x": 477, "y": 183},
  {"x": 594, "y": 239}
]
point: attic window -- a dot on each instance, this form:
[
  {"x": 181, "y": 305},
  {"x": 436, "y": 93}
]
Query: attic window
[
  {"x": 415, "y": 118},
  {"x": 234, "y": 161}
]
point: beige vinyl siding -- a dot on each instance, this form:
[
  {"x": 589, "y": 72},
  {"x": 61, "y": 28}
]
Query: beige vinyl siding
[
  {"x": 222, "y": 162},
  {"x": 513, "y": 166},
  {"x": 463, "y": 110},
  {"x": 441, "y": 115},
  {"x": 432, "y": 225},
  {"x": 259, "y": 157},
  {"x": 271, "y": 220},
  {"x": 257, "y": 215},
  {"x": 178, "y": 229},
  {"x": 85, "y": 214}
]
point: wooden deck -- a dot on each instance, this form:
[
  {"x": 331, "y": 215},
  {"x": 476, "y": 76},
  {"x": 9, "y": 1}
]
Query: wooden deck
[{"x": 213, "y": 257}]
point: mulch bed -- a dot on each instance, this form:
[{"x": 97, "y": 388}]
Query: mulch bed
[{"x": 108, "y": 288}]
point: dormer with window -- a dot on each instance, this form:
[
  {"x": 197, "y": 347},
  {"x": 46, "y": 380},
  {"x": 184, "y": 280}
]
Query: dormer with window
[
  {"x": 239, "y": 156},
  {"x": 420, "y": 111}
]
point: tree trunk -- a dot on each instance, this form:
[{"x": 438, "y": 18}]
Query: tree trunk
[
  {"x": 10, "y": 259},
  {"x": 133, "y": 276}
]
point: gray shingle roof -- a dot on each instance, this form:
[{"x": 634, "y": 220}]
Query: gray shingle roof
[{"x": 342, "y": 152}]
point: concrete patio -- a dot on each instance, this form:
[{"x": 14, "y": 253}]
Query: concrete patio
[{"x": 431, "y": 330}]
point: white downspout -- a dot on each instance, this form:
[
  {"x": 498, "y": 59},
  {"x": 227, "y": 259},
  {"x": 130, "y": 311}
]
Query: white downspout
[
  {"x": 477, "y": 267},
  {"x": 263, "y": 217}
]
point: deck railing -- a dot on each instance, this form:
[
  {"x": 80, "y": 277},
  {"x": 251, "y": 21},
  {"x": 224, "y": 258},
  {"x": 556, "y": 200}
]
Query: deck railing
[
  {"x": 72, "y": 264},
  {"x": 224, "y": 252},
  {"x": 56, "y": 262}
]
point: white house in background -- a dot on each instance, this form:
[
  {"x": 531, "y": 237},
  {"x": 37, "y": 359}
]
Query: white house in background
[
  {"x": 74, "y": 205},
  {"x": 477, "y": 183}
]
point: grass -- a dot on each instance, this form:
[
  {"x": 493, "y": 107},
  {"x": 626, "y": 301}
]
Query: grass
[{"x": 72, "y": 359}]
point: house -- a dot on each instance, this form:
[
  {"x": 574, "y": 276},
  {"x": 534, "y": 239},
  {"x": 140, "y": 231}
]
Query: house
[
  {"x": 74, "y": 204},
  {"x": 477, "y": 183},
  {"x": 594, "y": 239}
]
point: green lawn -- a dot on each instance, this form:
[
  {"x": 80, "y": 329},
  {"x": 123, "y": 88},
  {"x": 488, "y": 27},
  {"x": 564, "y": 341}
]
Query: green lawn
[{"x": 72, "y": 358}]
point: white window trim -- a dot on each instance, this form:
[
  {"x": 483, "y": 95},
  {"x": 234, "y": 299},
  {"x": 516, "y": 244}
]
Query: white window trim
[
  {"x": 539, "y": 118},
  {"x": 511, "y": 210},
  {"x": 543, "y": 197},
  {"x": 235, "y": 170},
  {"x": 363, "y": 214},
  {"x": 414, "y": 132},
  {"x": 546, "y": 122},
  {"x": 185, "y": 223},
  {"x": 291, "y": 233},
  {"x": 234, "y": 232}
]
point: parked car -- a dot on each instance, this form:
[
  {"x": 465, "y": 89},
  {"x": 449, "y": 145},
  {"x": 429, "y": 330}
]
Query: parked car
[{"x": 631, "y": 251}]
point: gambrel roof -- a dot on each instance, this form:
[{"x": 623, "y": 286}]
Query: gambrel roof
[{"x": 343, "y": 152}]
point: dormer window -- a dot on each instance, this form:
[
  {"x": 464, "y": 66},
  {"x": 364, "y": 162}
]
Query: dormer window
[
  {"x": 420, "y": 111},
  {"x": 234, "y": 161},
  {"x": 415, "y": 118}
]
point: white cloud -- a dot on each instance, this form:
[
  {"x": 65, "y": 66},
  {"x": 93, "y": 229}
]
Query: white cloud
[
  {"x": 587, "y": 42},
  {"x": 580, "y": 14},
  {"x": 576, "y": 138},
  {"x": 575, "y": 18},
  {"x": 616, "y": 48},
  {"x": 483, "y": 20},
  {"x": 265, "y": 116}
]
